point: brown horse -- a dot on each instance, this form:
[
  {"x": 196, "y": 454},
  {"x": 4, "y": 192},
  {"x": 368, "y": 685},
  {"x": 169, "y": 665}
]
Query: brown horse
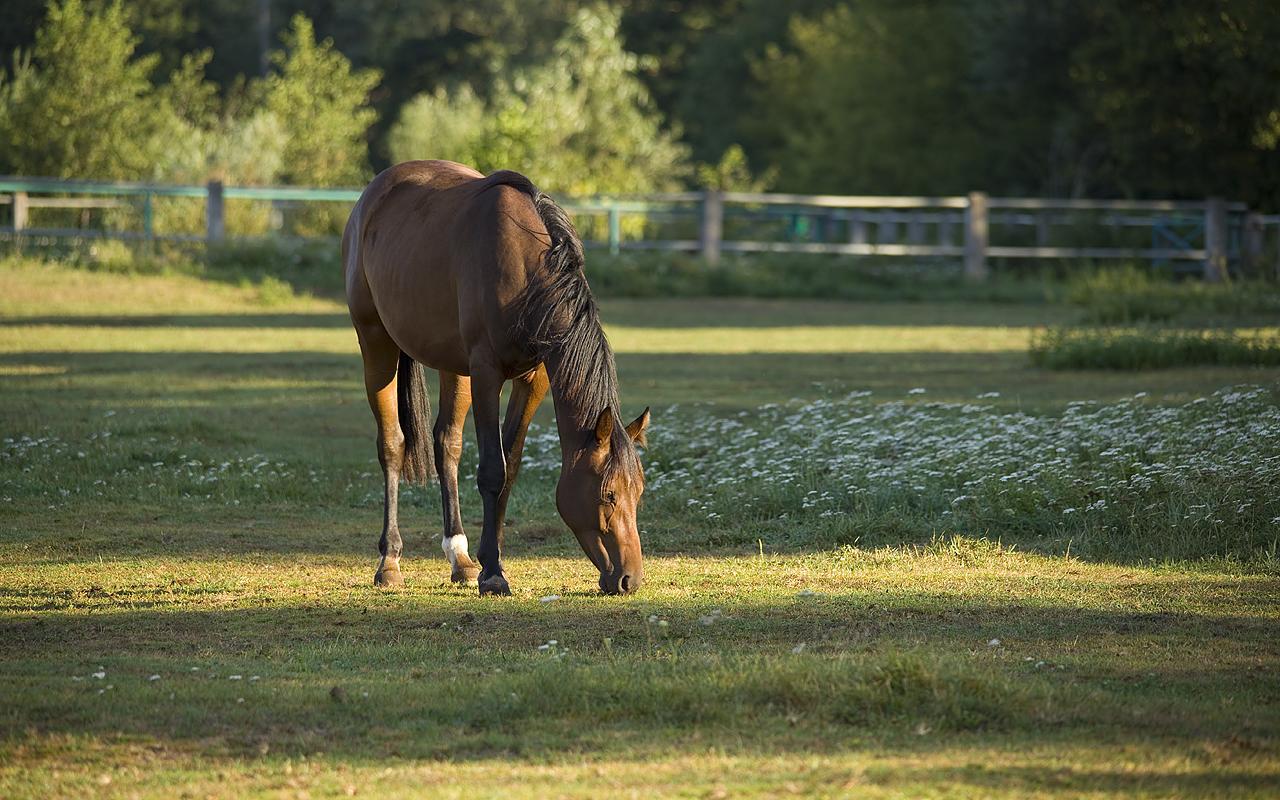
[{"x": 481, "y": 279}]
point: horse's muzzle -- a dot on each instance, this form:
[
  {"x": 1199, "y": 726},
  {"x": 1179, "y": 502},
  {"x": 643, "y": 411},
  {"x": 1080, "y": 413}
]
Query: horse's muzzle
[{"x": 619, "y": 582}]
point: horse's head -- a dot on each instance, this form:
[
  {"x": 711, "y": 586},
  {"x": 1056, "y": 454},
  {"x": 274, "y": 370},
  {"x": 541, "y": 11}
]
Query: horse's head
[{"x": 598, "y": 493}]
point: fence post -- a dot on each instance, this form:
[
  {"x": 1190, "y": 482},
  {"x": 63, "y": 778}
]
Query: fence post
[
  {"x": 214, "y": 215},
  {"x": 886, "y": 228},
  {"x": 1253, "y": 239},
  {"x": 857, "y": 228},
  {"x": 975, "y": 237},
  {"x": 148, "y": 219},
  {"x": 1215, "y": 239},
  {"x": 712, "y": 226},
  {"x": 19, "y": 210},
  {"x": 915, "y": 228},
  {"x": 615, "y": 230},
  {"x": 1042, "y": 228}
]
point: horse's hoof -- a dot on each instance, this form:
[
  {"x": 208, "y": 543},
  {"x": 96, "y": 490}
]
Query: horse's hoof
[
  {"x": 388, "y": 578},
  {"x": 468, "y": 576},
  {"x": 495, "y": 585}
]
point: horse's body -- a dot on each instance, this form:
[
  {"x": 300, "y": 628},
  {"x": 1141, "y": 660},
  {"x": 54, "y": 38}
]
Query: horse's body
[{"x": 481, "y": 279}]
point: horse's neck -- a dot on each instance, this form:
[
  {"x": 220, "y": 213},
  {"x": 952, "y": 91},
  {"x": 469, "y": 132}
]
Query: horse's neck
[{"x": 573, "y": 420}]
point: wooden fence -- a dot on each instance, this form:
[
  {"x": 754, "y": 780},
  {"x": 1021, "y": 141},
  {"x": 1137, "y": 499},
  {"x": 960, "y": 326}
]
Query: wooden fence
[{"x": 1209, "y": 235}]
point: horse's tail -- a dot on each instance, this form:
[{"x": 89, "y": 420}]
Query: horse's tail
[{"x": 414, "y": 408}]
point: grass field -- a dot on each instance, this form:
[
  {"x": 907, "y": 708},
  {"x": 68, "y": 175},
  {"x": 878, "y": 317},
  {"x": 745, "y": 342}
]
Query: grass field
[{"x": 887, "y": 557}]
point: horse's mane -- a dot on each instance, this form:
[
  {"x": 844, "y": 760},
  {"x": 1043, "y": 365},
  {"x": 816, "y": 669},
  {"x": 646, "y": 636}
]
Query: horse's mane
[{"x": 559, "y": 318}]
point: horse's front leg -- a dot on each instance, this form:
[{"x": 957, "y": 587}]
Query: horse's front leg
[
  {"x": 527, "y": 392},
  {"x": 491, "y": 477}
]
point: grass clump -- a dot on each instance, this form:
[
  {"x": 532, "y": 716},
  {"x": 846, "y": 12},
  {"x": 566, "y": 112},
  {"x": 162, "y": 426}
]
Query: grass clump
[
  {"x": 1150, "y": 348},
  {"x": 1131, "y": 294}
]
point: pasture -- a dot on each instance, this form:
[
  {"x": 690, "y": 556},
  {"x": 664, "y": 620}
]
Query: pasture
[{"x": 886, "y": 557}]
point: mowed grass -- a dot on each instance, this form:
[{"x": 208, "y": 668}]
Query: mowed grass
[{"x": 189, "y": 508}]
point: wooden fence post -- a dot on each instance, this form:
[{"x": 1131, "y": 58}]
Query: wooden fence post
[
  {"x": 857, "y": 228},
  {"x": 1215, "y": 239},
  {"x": 1042, "y": 228},
  {"x": 20, "y": 207},
  {"x": 1254, "y": 234},
  {"x": 712, "y": 226},
  {"x": 915, "y": 228},
  {"x": 615, "y": 230},
  {"x": 214, "y": 213},
  {"x": 975, "y": 237},
  {"x": 886, "y": 228}
]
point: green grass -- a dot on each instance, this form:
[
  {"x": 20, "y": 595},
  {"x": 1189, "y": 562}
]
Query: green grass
[
  {"x": 188, "y": 491},
  {"x": 1153, "y": 348},
  {"x": 1127, "y": 295}
]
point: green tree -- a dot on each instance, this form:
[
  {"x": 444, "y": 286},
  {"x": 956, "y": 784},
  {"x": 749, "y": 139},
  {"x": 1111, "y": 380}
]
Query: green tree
[
  {"x": 82, "y": 105},
  {"x": 874, "y": 99},
  {"x": 581, "y": 123},
  {"x": 322, "y": 104},
  {"x": 732, "y": 173},
  {"x": 1184, "y": 98},
  {"x": 718, "y": 102}
]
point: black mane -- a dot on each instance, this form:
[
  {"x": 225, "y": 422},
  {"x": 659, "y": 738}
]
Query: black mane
[{"x": 559, "y": 318}]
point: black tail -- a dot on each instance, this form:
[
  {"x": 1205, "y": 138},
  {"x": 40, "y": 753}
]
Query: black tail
[{"x": 414, "y": 408}]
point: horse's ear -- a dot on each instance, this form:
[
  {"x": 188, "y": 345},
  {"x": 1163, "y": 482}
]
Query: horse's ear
[
  {"x": 636, "y": 430},
  {"x": 604, "y": 427}
]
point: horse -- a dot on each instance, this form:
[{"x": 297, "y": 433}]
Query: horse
[{"x": 481, "y": 279}]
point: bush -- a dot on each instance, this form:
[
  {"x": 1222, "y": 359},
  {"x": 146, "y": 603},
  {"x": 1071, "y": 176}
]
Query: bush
[{"x": 1138, "y": 348}]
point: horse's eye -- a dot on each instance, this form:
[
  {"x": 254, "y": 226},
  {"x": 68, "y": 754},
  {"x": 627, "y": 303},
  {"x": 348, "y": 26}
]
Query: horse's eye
[{"x": 610, "y": 498}]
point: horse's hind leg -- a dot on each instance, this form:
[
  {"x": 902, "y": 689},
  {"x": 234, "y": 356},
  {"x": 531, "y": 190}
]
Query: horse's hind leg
[
  {"x": 527, "y": 392},
  {"x": 455, "y": 400},
  {"x": 381, "y": 360}
]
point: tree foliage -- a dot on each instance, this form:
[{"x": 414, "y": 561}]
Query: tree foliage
[
  {"x": 1022, "y": 97},
  {"x": 80, "y": 104},
  {"x": 321, "y": 102},
  {"x": 873, "y": 96},
  {"x": 581, "y": 123}
]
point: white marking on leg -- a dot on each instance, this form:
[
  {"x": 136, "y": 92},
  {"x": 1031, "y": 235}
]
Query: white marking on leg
[{"x": 453, "y": 546}]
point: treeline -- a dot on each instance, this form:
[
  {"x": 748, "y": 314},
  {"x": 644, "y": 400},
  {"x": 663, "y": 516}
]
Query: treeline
[{"x": 1145, "y": 98}]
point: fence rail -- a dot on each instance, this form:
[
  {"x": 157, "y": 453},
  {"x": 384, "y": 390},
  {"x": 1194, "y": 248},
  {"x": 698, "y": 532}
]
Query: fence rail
[{"x": 1213, "y": 232}]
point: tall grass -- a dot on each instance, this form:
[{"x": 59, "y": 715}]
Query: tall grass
[
  {"x": 1150, "y": 348},
  {"x": 1130, "y": 294}
]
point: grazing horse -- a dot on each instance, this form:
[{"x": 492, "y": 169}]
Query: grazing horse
[{"x": 480, "y": 278}]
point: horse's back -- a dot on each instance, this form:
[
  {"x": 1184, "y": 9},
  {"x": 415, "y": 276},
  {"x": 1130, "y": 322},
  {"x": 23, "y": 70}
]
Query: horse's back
[{"x": 438, "y": 254}]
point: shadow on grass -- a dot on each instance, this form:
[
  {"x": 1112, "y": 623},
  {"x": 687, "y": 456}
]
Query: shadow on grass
[
  {"x": 293, "y": 319},
  {"x": 666, "y": 313},
  {"x": 387, "y": 673}
]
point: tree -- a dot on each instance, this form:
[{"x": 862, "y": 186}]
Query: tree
[
  {"x": 582, "y": 123},
  {"x": 1185, "y": 98},
  {"x": 82, "y": 106},
  {"x": 322, "y": 103},
  {"x": 874, "y": 99},
  {"x": 718, "y": 98}
]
